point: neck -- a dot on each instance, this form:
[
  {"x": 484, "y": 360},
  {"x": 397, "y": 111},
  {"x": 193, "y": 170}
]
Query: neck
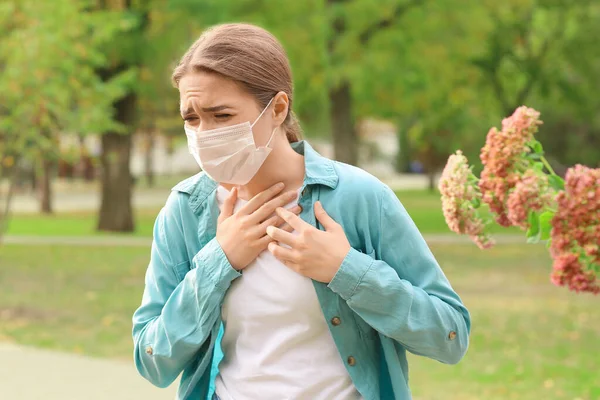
[{"x": 284, "y": 164}]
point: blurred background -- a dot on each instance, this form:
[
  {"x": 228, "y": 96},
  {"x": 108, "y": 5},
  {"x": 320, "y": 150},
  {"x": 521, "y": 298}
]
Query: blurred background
[{"x": 91, "y": 142}]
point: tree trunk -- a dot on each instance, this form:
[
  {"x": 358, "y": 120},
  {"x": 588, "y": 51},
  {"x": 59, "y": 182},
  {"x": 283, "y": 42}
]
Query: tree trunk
[
  {"x": 32, "y": 175},
  {"x": 431, "y": 180},
  {"x": 116, "y": 212},
  {"x": 403, "y": 156},
  {"x": 5, "y": 208},
  {"x": 345, "y": 139},
  {"x": 148, "y": 158},
  {"x": 45, "y": 186}
]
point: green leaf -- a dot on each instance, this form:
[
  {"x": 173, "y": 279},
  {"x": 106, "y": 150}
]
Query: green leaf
[
  {"x": 538, "y": 166},
  {"x": 536, "y": 146},
  {"x": 545, "y": 224},
  {"x": 556, "y": 182},
  {"x": 534, "y": 156},
  {"x": 533, "y": 233},
  {"x": 476, "y": 202}
]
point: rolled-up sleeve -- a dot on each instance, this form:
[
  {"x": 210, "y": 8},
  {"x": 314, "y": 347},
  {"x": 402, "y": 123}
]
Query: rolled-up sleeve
[{"x": 401, "y": 290}]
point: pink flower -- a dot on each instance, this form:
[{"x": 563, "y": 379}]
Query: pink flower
[
  {"x": 576, "y": 230},
  {"x": 531, "y": 193},
  {"x": 524, "y": 122},
  {"x": 459, "y": 195},
  {"x": 568, "y": 271},
  {"x": 502, "y": 158}
]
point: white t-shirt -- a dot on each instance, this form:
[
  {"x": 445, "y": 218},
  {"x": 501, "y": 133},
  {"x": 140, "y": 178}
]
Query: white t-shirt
[{"x": 277, "y": 344}]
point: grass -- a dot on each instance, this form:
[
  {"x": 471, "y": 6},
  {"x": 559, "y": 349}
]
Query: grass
[
  {"x": 424, "y": 207},
  {"x": 77, "y": 299},
  {"x": 74, "y": 224},
  {"x": 530, "y": 340}
]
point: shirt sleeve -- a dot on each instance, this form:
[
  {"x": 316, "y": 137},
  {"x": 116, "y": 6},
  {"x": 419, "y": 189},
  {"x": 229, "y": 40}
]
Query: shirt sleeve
[
  {"x": 401, "y": 290},
  {"x": 176, "y": 317}
]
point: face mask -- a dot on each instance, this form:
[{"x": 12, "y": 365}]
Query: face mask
[{"x": 229, "y": 154}]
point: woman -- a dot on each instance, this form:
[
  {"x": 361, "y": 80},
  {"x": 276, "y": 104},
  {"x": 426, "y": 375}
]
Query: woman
[{"x": 277, "y": 273}]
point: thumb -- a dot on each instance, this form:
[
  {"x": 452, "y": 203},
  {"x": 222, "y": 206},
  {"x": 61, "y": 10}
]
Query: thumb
[
  {"x": 229, "y": 204},
  {"x": 328, "y": 223}
]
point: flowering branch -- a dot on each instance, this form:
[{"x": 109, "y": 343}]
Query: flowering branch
[{"x": 518, "y": 192}]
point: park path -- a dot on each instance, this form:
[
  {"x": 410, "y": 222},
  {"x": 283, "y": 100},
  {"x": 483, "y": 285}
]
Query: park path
[
  {"x": 32, "y": 374},
  {"x": 78, "y": 197}
]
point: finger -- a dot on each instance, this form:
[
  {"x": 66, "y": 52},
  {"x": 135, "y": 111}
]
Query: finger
[
  {"x": 291, "y": 218},
  {"x": 261, "y": 199},
  {"x": 296, "y": 210},
  {"x": 281, "y": 253},
  {"x": 277, "y": 221},
  {"x": 286, "y": 227},
  {"x": 281, "y": 236},
  {"x": 328, "y": 223},
  {"x": 269, "y": 207},
  {"x": 229, "y": 204}
]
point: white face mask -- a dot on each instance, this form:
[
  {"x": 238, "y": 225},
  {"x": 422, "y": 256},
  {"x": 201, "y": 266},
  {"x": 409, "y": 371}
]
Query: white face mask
[{"x": 229, "y": 154}]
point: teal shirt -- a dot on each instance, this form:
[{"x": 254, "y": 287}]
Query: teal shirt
[{"x": 390, "y": 294}]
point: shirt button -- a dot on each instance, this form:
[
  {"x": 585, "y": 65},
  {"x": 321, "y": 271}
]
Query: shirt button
[
  {"x": 452, "y": 335},
  {"x": 149, "y": 350},
  {"x": 305, "y": 191},
  {"x": 335, "y": 321},
  {"x": 351, "y": 361}
]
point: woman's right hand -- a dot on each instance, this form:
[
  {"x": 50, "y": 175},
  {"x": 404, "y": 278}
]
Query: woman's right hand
[{"x": 243, "y": 234}]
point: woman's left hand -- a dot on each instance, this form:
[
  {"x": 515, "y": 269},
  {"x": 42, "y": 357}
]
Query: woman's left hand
[{"x": 313, "y": 253}]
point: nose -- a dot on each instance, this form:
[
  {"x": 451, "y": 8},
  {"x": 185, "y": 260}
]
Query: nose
[{"x": 206, "y": 126}]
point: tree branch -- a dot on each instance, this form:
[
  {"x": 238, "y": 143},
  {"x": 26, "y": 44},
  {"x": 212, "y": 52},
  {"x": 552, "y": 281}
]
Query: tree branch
[
  {"x": 400, "y": 10},
  {"x": 338, "y": 26},
  {"x": 537, "y": 60}
]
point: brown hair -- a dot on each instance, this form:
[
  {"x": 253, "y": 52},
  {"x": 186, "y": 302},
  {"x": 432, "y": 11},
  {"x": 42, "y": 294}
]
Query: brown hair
[{"x": 250, "y": 56}]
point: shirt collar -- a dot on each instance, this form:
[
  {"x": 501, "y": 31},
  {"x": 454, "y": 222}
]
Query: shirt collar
[{"x": 318, "y": 171}]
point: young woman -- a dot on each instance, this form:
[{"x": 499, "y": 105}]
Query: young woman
[{"x": 277, "y": 273}]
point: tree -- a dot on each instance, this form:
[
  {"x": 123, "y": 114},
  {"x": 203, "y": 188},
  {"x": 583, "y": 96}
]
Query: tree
[
  {"x": 125, "y": 55},
  {"x": 544, "y": 55},
  {"x": 352, "y": 28},
  {"x": 48, "y": 80},
  {"x": 424, "y": 85}
]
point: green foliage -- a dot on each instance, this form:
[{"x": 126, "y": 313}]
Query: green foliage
[
  {"x": 48, "y": 74},
  {"x": 540, "y": 226},
  {"x": 430, "y": 66},
  {"x": 556, "y": 182}
]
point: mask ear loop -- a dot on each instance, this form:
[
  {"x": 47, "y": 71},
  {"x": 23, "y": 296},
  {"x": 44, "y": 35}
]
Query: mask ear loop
[
  {"x": 271, "y": 138},
  {"x": 261, "y": 114}
]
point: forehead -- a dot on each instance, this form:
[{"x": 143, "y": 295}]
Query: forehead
[{"x": 206, "y": 89}]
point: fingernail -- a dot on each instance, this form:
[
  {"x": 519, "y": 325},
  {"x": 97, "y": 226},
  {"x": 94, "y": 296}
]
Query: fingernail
[
  {"x": 270, "y": 230},
  {"x": 279, "y": 185}
]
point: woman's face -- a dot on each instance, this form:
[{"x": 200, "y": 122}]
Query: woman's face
[{"x": 209, "y": 101}]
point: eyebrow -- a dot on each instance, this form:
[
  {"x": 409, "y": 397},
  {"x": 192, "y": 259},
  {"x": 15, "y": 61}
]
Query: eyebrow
[{"x": 190, "y": 110}]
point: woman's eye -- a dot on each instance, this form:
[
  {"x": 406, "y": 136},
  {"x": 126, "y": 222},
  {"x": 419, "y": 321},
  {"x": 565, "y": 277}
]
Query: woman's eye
[
  {"x": 188, "y": 119},
  {"x": 222, "y": 116}
]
